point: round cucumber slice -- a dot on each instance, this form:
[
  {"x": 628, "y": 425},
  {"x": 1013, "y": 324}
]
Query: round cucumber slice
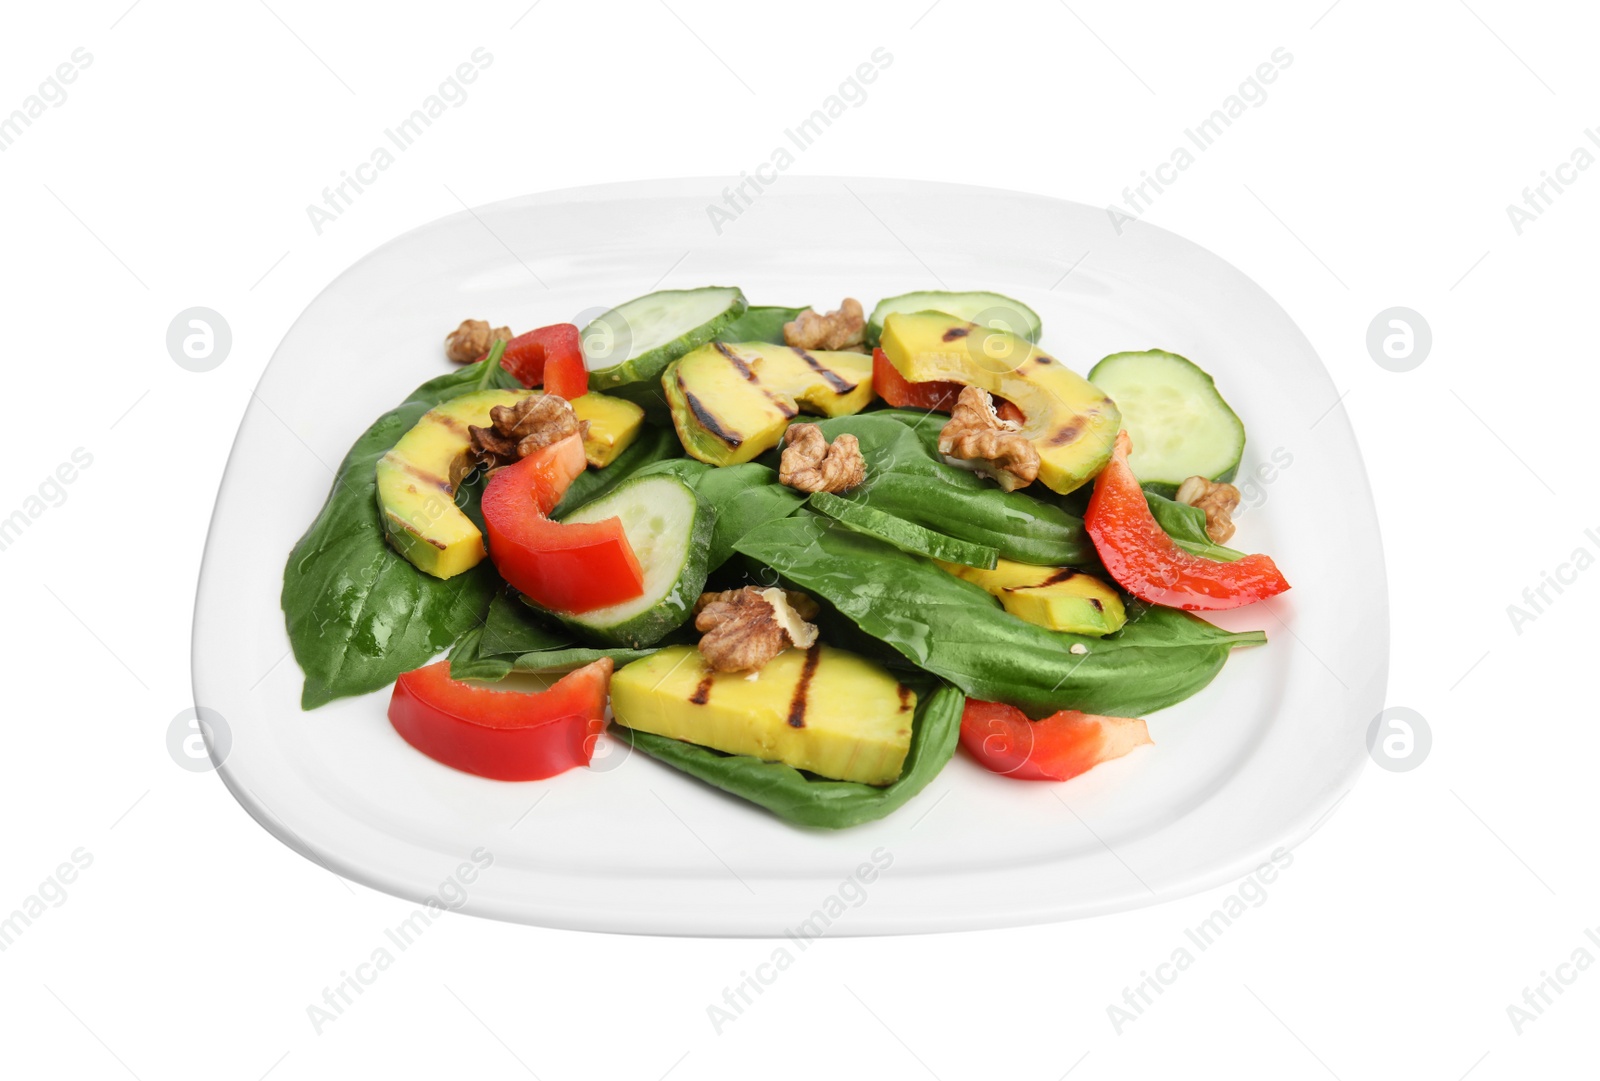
[
  {"x": 994, "y": 310},
  {"x": 635, "y": 341},
  {"x": 669, "y": 528},
  {"x": 1180, "y": 425},
  {"x": 907, "y": 536}
]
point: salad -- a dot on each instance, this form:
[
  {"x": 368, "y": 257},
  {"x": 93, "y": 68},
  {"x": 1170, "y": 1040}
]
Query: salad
[{"x": 799, "y": 555}]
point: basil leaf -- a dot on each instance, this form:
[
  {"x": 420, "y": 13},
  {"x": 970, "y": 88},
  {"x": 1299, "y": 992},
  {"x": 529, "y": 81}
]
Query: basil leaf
[
  {"x": 759, "y": 325},
  {"x": 565, "y": 660},
  {"x": 745, "y": 496},
  {"x": 358, "y": 614},
  {"x": 469, "y": 660},
  {"x": 907, "y": 478},
  {"x": 955, "y": 630},
  {"x": 513, "y": 640},
  {"x": 1186, "y": 525},
  {"x": 811, "y": 801},
  {"x": 901, "y": 533},
  {"x": 512, "y": 627}
]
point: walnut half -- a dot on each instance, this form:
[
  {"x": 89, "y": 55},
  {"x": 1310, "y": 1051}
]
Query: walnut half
[
  {"x": 976, "y": 434},
  {"x": 809, "y": 464},
  {"x": 842, "y": 329},
  {"x": 743, "y": 629},
  {"x": 470, "y": 341},
  {"x": 1217, "y": 499},
  {"x": 518, "y": 430}
]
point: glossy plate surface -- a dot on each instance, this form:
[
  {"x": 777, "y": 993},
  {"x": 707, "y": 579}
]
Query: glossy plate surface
[{"x": 1253, "y": 762}]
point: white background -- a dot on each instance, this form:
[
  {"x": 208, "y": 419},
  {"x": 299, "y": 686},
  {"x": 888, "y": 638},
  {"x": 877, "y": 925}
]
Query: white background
[{"x": 1376, "y": 173}]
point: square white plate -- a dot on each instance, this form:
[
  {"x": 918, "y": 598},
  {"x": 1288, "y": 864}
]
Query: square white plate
[{"x": 1253, "y": 762}]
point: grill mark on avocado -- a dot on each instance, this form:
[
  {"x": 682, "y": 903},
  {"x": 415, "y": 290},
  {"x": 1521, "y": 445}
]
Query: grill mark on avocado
[
  {"x": 702, "y": 690},
  {"x": 1061, "y": 575},
  {"x": 750, "y": 376},
  {"x": 956, "y": 332},
  {"x": 1098, "y": 607},
  {"x": 797, "y": 704},
  {"x": 831, "y": 377},
  {"x": 1065, "y": 435},
  {"x": 737, "y": 361},
  {"x": 1042, "y": 359},
  {"x": 905, "y": 696},
  {"x": 431, "y": 479},
  {"x": 456, "y": 425},
  {"x": 707, "y": 418}
]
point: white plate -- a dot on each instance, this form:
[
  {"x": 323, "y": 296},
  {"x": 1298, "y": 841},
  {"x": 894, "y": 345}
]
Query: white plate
[{"x": 1253, "y": 762}]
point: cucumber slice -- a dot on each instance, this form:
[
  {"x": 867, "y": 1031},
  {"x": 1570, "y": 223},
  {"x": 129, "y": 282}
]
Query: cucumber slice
[
  {"x": 759, "y": 325},
  {"x": 634, "y": 342},
  {"x": 1180, "y": 425},
  {"x": 993, "y": 310},
  {"x": 907, "y": 536},
  {"x": 670, "y": 529}
]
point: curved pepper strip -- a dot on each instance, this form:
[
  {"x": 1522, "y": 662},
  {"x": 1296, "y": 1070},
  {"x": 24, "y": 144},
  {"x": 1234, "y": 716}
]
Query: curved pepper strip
[
  {"x": 529, "y": 356},
  {"x": 565, "y": 567},
  {"x": 1147, "y": 563},
  {"x": 503, "y": 735}
]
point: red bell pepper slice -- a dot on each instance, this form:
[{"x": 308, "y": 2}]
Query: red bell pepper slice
[
  {"x": 528, "y": 356},
  {"x": 1061, "y": 746},
  {"x": 566, "y": 567},
  {"x": 934, "y": 395},
  {"x": 1145, "y": 561},
  {"x": 565, "y": 374},
  {"x": 504, "y": 735}
]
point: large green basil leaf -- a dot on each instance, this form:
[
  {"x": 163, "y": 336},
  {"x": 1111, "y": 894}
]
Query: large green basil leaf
[
  {"x": 358, "y": 614},
  {"x": 745, "y": 496},
  {"x": 955, "y": 630},
  {"x": 759, "y": 325},
  {"x": 1186, "y": 525},
  {"x": 907, "y": 478},
  {"x": 811, "y": 801}
]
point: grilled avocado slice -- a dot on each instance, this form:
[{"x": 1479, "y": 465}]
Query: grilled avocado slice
[
  {"x": 821, "y": 709},
  {"x": 1071, "y": 422},
  {"x": 1056, "y": 598},
  {"x": 731, "y": 402},
  {"x": 417, "y": 481}
]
